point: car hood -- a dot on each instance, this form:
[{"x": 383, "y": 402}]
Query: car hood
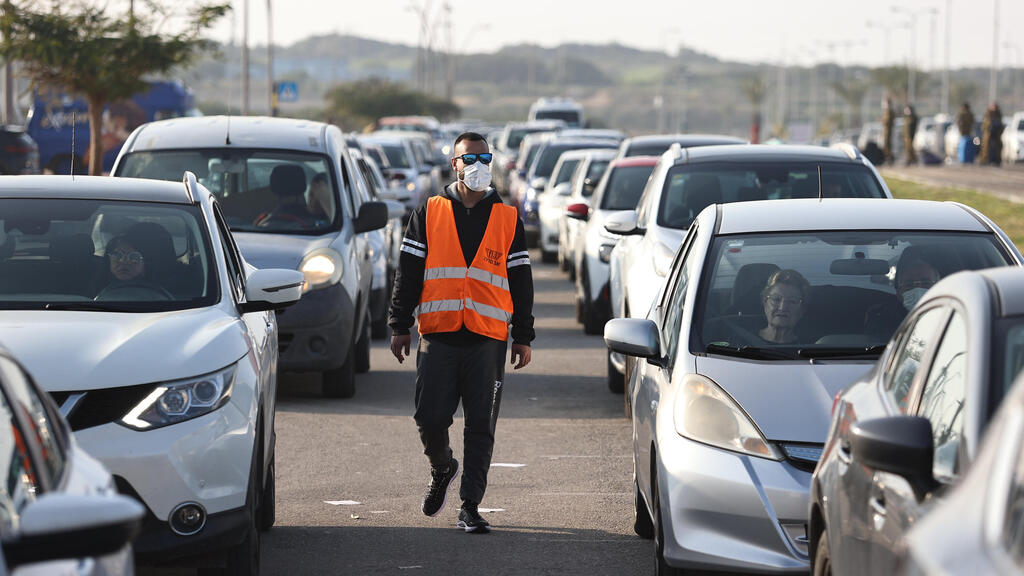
[
  {"x": 73, "y": 350},
  {"x": 789, "y": 402},
  {"x": 278, "y": 250}
]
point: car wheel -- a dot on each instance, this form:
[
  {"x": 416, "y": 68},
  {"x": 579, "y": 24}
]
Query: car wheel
[
  {"x": 822, "y": 557},
  {"x": 244, "y": 558},
  {"x": 661, "y": 568},
  {"x": 363, "y": 348},
  {"x": 268, "y": 503},
  {"x": 591, "y": 323},
  {"x": 340, "y": 382},
  {"x": 563, "y": 260},
  {"x": 642, "y": 523},
  {"x": 616, "y": 381},
  {"x": 547, "y": 256}
]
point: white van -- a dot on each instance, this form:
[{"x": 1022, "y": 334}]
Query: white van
[{"x": 565, "y": 109}]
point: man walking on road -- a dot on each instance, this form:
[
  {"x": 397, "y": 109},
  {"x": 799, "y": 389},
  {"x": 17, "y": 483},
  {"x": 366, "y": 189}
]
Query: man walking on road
[{"x": 465, "y": 272}]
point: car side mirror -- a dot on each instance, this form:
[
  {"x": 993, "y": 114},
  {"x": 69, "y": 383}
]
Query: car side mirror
[
  {"x": 622, "y": 223},
  {"x": 563, "y": 189},
  {"x": 395, "y": 208},
  {"x": 272, "y": 289},
  {"x": 578, "y": 211},
  {"x": 372, "y": 216},
  {"x": 634, "y": 337},
  {"x": 900, "y": 445},
  {"x": 61, "y": 526}
]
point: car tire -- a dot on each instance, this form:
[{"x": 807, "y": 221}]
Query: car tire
[
  {"x": 548, "y": 257},
  {"x": 642, "y": 523},
  {"x": 822, "y": 557},
  {"x": 616, "y": 381},
  {"x": 268, "y": 502},
  {"x": 661, "y": 568},
  {"x": 244, "y": 559},
  {"x": 563, "y": 260},
  {"x": 591, "y": 323},
  {"x": 363, "y": 348},
  {"x": 340, "y": 382}
]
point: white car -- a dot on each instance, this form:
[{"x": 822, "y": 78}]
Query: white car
[
  {"x": 584, "y": 180},
  {"x": 62, "y": 515},
  {"x": 131, "y": 304},
  {"x": 1013, "y": 139},
  {"x": 551, "y": 205},
  {"x": 687, "y": 180}
]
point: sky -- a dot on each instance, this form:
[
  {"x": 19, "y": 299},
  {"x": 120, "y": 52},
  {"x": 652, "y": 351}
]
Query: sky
[{"x": 792, "y": 32}]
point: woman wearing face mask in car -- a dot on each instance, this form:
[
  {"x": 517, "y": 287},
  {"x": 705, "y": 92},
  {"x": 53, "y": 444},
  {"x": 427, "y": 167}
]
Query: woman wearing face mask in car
[
  {"x": 914, "y": 276},
  {"x": 465, "y": 269}
]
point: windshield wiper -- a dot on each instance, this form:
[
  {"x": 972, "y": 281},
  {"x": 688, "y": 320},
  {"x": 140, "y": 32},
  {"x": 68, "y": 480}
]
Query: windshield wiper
[
  {"x": 751, "y": 352},
  {"x": 86, "y": 306},
  {"x": 846, "y": 352}
]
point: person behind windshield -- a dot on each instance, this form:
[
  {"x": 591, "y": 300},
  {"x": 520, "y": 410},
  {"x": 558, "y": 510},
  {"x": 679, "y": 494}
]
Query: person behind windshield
[
  {"x": 319, "y": 202},
  {"x": 914, "y": 276},
  {"x": 784, "y": 297},
  {"x": 142, "y": 255},
  {"x": 126, "y": 261}
]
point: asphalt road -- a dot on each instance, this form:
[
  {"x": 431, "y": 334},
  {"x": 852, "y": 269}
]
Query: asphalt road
[{"x": 565, "y": 508}]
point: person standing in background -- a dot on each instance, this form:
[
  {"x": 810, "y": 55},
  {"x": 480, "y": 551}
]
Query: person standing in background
[
  {"x": 965, "y": 124},
  {"x": 909, "y": 130},
  {"x": 888, "y": 119}
]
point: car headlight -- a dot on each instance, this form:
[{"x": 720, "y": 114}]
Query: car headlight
[
  {"x": 531, "y": 194},
  {"x": 663, "y": 256},
  {"x": 410, "y": 186},
  {"x": 175, "y": 402},
  {"x": 703, "y": 412},
  {"x": 321, "y": 268}
]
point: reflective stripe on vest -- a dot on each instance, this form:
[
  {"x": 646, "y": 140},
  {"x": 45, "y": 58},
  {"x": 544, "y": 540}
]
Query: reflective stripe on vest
[{"x": 455, "y": 295}]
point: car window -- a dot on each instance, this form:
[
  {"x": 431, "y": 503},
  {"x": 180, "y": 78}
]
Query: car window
[
  {"x": 125, "y": 256},
  {"x": 20, "y": 484},
  {"x": 258, "y": 190},
  {"x": 235, "y": 271},
  {"x": 837, "y": 291},
  {"x": 688, "y": 189},
  {"x": 675, "y": 298},
  {"x": 565, "y": 172},
  {"x": 623, "y": 187},
  {"x": 909, "y": 354},
  {"x": 45, "y": 431},
  {"x": 943, "y": 397}
]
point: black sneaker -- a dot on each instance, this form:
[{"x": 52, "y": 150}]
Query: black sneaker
[
  {"x": 471, "y": 521},
  {"x": 437, "y": 490}
]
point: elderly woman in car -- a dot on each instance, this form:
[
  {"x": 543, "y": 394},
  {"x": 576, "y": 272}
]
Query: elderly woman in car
[{"x": 785, "y": 300}]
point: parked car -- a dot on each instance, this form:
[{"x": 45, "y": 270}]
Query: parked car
[
  {"x": 506, "y": 149},
  {"x": 19, "y": 153},
  {"x": 518, "y": 181},
  {"x": 904, "y": 434},
  {"x": 167, "y": 345},
  {"x": 658, "y": 144},
  {"x": 930, "y": 138},
  {"x": 551, "y": 203},
  {"x": 385, "y": 244},
  {"x": 439, "y": 142},
  {"x": 423, "y": 154},
  {"x": 763, "y": 318},
  {"x": 62, "y": 513},
  {"x": 687, "y": 180},
  {"x": 619, "y": 191},
  {"x": 976, "y": 528},
  {"x": 1013, "y": 139},
  {"x": 584, "y": 180},
  {"x": 400, "y": 165},
  {"x": 262, "y": 170},
  {"x": 602, "y": 133},
  {"x": 537, "y": 175}
]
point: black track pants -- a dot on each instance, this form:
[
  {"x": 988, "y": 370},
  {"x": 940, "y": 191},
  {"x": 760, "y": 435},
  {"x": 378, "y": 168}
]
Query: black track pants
[{"x": 472, "y": 373}]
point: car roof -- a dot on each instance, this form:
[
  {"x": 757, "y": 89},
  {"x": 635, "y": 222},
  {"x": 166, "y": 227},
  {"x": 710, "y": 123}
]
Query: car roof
[
  {"x": 765, "y": 153},
  {"x": 577, "y": 143},
  {"x": 93, "y": 188},
  {"x": 684, "y": 139},
  {"x": 578, "y": 153},
  {"x": 231, "y": 132},
  {"x": 635, "y": 161},
  {"x": 845, "y": 214}
]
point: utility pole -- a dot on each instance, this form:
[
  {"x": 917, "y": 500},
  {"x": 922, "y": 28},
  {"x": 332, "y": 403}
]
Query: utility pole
[
  {"x": 944, "y": 106},
  {"x": 271, "y": 93},
  {"x": 993, "y": 75},
  {"x": 245, "y": 57}
]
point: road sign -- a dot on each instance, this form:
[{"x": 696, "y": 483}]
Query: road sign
[{"x": 287, "y": 92}]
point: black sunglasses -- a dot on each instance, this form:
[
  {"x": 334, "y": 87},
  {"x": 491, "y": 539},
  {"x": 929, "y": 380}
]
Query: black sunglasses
[{"x": 468, "y": 159}]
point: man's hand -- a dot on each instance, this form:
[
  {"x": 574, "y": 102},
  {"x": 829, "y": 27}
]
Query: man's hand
[
  {"x": 400, "y": 346},
  {"x": 520, "y": 355}
]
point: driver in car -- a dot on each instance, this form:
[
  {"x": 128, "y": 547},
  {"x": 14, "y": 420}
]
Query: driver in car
[{"x": 139, "y": 259}]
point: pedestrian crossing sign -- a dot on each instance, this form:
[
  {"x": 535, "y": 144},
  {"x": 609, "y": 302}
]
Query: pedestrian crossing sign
[{"x": 287, "y": 92}]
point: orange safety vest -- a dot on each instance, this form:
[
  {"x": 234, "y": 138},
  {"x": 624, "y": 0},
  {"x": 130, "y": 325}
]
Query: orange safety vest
[{"x": 454, "y": 295}]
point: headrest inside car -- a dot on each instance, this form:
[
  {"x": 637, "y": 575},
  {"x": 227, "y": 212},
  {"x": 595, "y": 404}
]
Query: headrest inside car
[{"x": 288, "y": 180}]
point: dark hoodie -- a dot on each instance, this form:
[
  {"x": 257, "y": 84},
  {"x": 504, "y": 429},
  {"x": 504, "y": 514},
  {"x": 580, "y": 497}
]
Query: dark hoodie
[{"x": 471, "y": 224}]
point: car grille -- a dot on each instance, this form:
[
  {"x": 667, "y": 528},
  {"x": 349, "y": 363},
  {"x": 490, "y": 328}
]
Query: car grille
[
  {"x": 802, "y": 456},
  {"x": 98, "y": 407}
]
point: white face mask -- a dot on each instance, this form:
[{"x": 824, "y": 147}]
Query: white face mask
[
  {"x": 476, "y": 176},
  {"x": 910, "y": 297}
]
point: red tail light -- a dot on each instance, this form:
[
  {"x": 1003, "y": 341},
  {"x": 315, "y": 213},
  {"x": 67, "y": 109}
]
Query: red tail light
[
  {"x": 580, "y": 209},
  {"x": 12, "y": 149}
]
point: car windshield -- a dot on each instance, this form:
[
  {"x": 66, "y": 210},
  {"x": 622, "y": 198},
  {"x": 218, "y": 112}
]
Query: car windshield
[
  {"x": 259, "y": 191},
  {"x": 690, "y": 188},
  {"x": 531, "y": 153},
  {"x": 104, "y": 255},
  {"x": 548, "y": 157},
  {"x": 624, "y": 186},
  {"x": 821, "y": 294},
  {"x": 571, "y": 117},
  {"x": 565, "y": 172},
  {"x": 516, "y": 135}
]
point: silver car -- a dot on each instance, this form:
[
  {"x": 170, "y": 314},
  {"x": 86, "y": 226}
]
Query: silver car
[
  {"x": 907, "y": 432},
  {"x": 584, "y": 180},
  {"x": 761, "y": 321},
  {"x": 689, "y": 179}
]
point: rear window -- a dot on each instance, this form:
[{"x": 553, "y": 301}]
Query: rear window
[
  {"x": 259, "y": 190},
  {"x": 691, "y": 188},
  {"x": 570, "y": 117}
]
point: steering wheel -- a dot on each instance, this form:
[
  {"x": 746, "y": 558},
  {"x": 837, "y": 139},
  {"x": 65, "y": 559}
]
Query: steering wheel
[
  {"x": 132, "y": 290},
  {"x": 732, "y": 327}
]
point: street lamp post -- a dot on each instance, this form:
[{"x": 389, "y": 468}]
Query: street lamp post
[
  {"x": 993, "y": 76},
  {"x": 912, "y": 15},
  {"x": 271, "y": 96}
]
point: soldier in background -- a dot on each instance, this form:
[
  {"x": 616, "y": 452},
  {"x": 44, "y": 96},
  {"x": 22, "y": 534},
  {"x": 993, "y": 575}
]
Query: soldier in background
[
  {"x": 909, "y": 130},
  {"x": 888, "y": 118},
  {"x": 991, "y": 136},
  {"x": 965, "y": 123}
]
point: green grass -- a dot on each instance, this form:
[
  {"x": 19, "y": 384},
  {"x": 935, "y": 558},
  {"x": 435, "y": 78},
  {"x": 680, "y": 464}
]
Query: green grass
[{"x": 1007, "y": 215}]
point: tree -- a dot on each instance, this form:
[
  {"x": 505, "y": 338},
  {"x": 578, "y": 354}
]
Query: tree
[
  {"x": 353, "y": 105},
  {"x": 893, "y": 79},
  {"x": 852, "y": 92},
  {"x": 84, "y": 51},
  {"x": 754, "y": 89}
]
